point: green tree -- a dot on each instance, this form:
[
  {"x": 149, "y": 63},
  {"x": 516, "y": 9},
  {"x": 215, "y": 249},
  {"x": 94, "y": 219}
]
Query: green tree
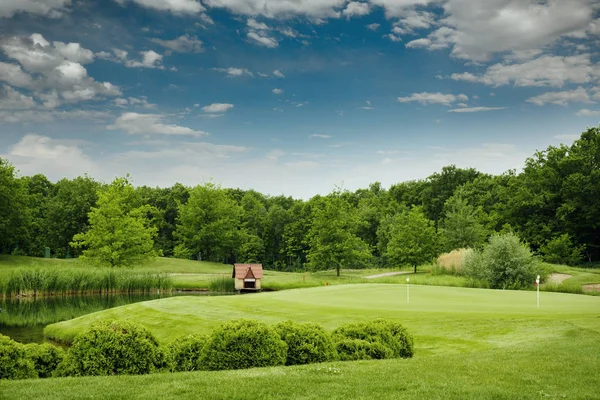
[
  {"x": 461, "y": 226},
  {"x": 332, "y": 237},
  {"x": 208, "y": 224},
  {"x": 14, "y": 210},
  {"x": 120, "y": 233},
  {"x": 412, "y": 238}
]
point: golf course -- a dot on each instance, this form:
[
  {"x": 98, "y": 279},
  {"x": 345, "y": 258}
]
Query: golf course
[{"x": 469, "y": 343}]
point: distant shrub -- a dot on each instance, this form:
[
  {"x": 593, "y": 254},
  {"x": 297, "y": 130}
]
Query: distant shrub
[
  {"x": 505, "y": 263},
  {"x": 45, "y": 358},
  {"x": 307, "y": 343},
  {"x": 357, "y": 349},
  {"x": 453, "y": 262},
  {"x": 14, "y": 363},
  {"x": 244, "y": 344},
  {"x": 394, "y": 338},
  {"x": 113, "y": 348},
  {"x": 186, "y": 353},
  {"x": 560, "y": 250}
]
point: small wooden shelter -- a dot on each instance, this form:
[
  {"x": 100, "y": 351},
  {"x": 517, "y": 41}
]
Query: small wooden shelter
[{"x": 247, "y": 276}]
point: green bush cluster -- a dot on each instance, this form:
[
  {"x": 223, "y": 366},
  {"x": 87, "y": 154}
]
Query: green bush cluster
[
  {"x": 504, "y": 263},
  {"x": 186, "y": 353},
  {"x": 307, "y": 343},
  {"x": 113, "y": 348},
  {"x": 45, "y": 358},
  {"x": 14, "y": 363},
  {"x": 377, "y": 339}
]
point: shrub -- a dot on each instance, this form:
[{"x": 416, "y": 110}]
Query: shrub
[
  {"x": 453, "y": 262},
  {"x": 244, "y": 344},
  {"x": 113, "y": 348},
  {"x": 391, "y": 335},
  {"x": 45, "y": 358},
  {"x": 14, "y": 363},
  {"x": 560, "y": 250},
  {"x": 357, "y": 349},
  {"x": 307, "y": 343},
  {"x": 186, "y": 353},
  {"x": 504, "y": 263}
]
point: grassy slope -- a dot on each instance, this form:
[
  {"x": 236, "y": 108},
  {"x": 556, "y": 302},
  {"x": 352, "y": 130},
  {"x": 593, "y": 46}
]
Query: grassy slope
[{"x": 470, "y": 343}]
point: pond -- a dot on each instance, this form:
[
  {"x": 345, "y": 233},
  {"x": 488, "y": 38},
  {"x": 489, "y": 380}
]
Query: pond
[{"x": 24, "y": 319}]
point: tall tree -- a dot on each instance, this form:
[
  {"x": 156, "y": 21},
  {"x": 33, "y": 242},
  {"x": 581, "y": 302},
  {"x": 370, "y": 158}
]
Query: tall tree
[
  {"x": 209, "y": 224},
  {"x": 412, "y": 238},
  {"x": 461, "y": 226},
  {"x": 14, "y": 210},
  {"x": 120, "y": 233},
  {"x": 332, "y": 236}
]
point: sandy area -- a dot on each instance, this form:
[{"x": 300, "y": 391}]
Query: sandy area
[
  {"x": 591, "y": 287},
  {"x": 388, "y": 274},
  {"x": 558, "y": 278}
]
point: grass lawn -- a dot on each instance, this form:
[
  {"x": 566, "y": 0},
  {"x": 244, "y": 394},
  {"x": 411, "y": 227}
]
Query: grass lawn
[{"x": 470, "y": 343}]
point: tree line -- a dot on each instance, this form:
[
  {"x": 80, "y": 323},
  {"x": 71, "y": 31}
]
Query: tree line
[{"x": 553, "y": 205}]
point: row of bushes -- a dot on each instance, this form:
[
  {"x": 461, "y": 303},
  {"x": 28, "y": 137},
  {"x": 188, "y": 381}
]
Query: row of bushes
[
  {"x": 504, "y": 263},
  {"x": 121, "y": 347},
  {"x": 48, "y": 281}
]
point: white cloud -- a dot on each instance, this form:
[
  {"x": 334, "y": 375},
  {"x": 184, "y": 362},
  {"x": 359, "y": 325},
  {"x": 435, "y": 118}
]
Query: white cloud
[
  {"x": 50, "y": 8},
  {"x": 217, "y": 108},
  {"x": 278, "y": 74},
  {"x": 281, "y": 9},
  {"x": 393, "y": 37},
  {"x": 10, "y": 99},
  {"x": 150, "y": 59},
  {"x": 433, "y": 98},
  {"x": 207, "y": 19},
  {"x": 258, "y": 26},
  {"x": 588, "y": 113},
  {"x": 475, "y": 109},
  {"x": 399, "y": 8},
  {"x": 133, "y": 101},
  {"x": 373, "y": 26},
  {"x": 14, "y": 75},
  {"x": 356, "y": 9},
  {"x": 578, "y": 95},
  {"x": 173, "y": 6},
  {"x": 43, "y": 116},
  {"x": 262, "y": 39},
  {"x": 277, "y": 91},
  {"x": 150, "y": 124},
  {"x": 275, "y": 154},
  {"x": 234, "y": 72},
  {"x": 543, "y": 71},
  {"x": 441, "y": 38},
  {"x": 319, "y": 136},
  {"x": 182, "y": 44}
]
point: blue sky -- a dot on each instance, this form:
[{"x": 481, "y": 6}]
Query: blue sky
[{"x": 292, "y": 97}]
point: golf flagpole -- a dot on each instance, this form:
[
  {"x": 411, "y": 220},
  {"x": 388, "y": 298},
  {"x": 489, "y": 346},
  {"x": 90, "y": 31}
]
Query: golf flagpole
[
  {"x": 407, "y": 290},
  {"x": 537, "y": 285}
]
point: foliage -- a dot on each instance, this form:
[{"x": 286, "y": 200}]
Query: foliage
[
  {"x": 45, "y": 358},
  {"x": 560, "y": 250},
  {"x": 243, "y": 344},
  {"x": 462, "y": 225},
  {"x": 411, "y": 238},
  {"x": 332, "y": 236},
  {"x": 358, "y": 349},
  {"x": 186, "y": 353},
  {"x": 113, "y": 348},
  {"x": 307, "y": 343},
  {"x": 14, "y": 363},
  {"x": 505, "y": 263},
  {"x": 119, "y": 233},
  {"x": 452, "y": 262},
  {"x": 14, "y": 212}
]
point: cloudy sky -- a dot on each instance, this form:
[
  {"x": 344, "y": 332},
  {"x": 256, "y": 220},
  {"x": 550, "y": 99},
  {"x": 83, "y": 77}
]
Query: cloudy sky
[{"x": 292, "y": 96}]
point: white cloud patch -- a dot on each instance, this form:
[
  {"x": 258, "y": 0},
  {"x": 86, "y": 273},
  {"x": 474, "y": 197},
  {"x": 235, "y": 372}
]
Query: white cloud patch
[
  {"x": 278, "y": 74},
  {"x": 182, "y": 44},
  {"x": 150, "y": 124},
  {"x": 262, "y": 39},
  {"x": 234, "y": 72},
  {"x": 49, "y": 8},
  {"x": 277, "y": 91},
  {"x": 150, "y": 59},
  {"x": 543, "y": 71},
  {"x": 11, "y": 99},
  {"x": 356, "y": 9},
  {"x": 141, "y": 101},
  {"x": 373, "y": 26},
  {"x": 281, "y": 9},
  {"x": 433, "y": 98},
  {"x": 588, "y": 113},
  {"x": 217, "y": 108},
  {"x": 579, "y": 95},
  {"x": 319, "y": 136},
  {"x": 258, "y": 26},
  {"x": 173, "y": 6},
  {"x": 475, "y": 109}
]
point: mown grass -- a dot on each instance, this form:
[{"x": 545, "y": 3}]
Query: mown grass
[{"x": 469, "y": 343}]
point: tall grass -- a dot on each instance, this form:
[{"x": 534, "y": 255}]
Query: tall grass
[
  {"x": 53, "y": 282},
  {"x": 222, "y": 284},
  {"x": 452, "y": 263}
]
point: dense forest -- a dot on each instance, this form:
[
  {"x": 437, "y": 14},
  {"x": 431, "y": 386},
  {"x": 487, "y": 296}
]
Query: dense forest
[{"x": 553, "y": 205}]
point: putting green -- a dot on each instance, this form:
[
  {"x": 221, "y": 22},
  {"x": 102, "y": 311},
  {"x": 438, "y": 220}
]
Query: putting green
[{"x": 443, "y": 319}]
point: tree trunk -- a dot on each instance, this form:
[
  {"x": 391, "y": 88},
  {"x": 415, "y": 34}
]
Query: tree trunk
[
  {"x": 338, "y": 270},
  {"x": 415, "y": 268}
]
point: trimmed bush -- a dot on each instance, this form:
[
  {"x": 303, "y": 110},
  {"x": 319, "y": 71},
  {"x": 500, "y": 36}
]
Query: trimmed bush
[
  {"x": 388, "y": 339},
  {"x": 45, "y": 358},
  {"x": 113, "y": 348},
  {"x": 14, "y": 363},
  {"x": 357, "y": 349},
  {"x": 307, "y": 343},
  {"x": 186, "y": 353},
  {"x": 244, "y": 344}
]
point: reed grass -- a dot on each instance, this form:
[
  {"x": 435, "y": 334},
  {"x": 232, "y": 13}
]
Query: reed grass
[
  {"x": 454, "y": 261},
  {"x": 222, "y": 284},
  {"x": 54, "y": 282}
]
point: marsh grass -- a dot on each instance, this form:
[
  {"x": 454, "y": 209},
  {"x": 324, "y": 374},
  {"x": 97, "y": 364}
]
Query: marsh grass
[
  {"x": 453, "y": 262},
  {"x": 222, "y": 284}
]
